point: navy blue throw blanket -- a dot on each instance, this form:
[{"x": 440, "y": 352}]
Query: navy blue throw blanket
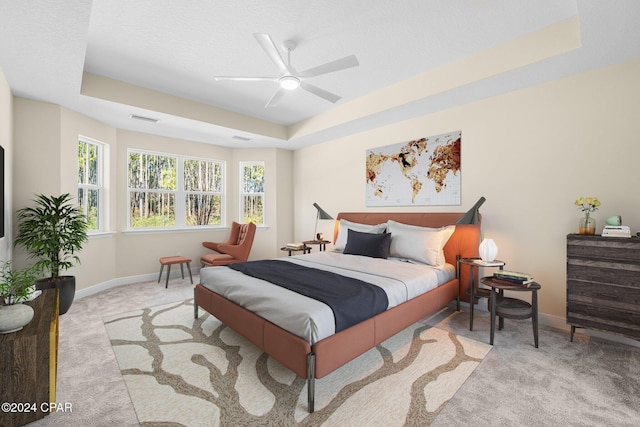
[{"x": 351, "y": 300}]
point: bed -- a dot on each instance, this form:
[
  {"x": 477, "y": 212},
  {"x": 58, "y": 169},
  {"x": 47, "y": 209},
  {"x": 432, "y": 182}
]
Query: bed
[{"x": 316, "y": 353}]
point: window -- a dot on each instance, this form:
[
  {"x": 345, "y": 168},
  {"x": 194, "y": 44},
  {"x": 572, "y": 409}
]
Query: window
[
  {"x": 252, "y": 192},
  {"x": 90, "y": 182},
  {"x": 203, "y": 191},
  {"x": 174, "y": 191}
]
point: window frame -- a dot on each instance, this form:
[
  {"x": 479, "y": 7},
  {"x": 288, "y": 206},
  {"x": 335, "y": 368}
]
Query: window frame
[
  {"x": 179, "y": 193},
  {"x": 99, "y": 186},
  {"x": 242, "y": 194}
]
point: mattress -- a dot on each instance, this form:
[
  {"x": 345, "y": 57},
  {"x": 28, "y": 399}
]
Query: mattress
[{"x": 312, "y": 320}]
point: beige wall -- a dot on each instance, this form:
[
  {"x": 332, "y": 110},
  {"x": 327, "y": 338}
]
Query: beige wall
[
  {"x": 138, "y": 252},
  {"x": 46, "y": 136},
  {"x": 6, "y": 141},
  {"x": 531, "y": 153}
]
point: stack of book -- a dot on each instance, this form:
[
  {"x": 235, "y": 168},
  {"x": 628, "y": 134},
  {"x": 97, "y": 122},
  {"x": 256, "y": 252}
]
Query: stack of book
[
  {"x": 295, "y": 245},
  {"x": 512, "y": 278}
]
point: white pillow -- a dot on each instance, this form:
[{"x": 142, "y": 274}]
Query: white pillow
[
  {"x": 345, "y": 225},
  {"x": 422, "y": 244}
]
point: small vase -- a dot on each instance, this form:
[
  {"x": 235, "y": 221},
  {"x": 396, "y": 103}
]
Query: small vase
[{"x": 587, "y": 225}]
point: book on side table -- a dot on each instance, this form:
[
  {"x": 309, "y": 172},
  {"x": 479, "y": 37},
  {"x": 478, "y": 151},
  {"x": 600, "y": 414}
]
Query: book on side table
[
  {"x": 295, "y": 246},
  {"x": 514, "y": 278},
  {"x": 483, "y": 263}
]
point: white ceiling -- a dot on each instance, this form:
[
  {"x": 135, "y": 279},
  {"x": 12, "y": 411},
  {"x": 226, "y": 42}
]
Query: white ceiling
[{"x": 176, "y": 48}]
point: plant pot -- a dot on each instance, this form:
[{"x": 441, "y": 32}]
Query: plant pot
[
  {"x": 67, "y": 290},
  {"x": 14, "y": 317}
]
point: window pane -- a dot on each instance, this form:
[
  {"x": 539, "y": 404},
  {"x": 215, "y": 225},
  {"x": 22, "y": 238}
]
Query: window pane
[
  {"x": 152, "y": 209},
  {"x": 253, "y": 178},
  {"x": 151, "y": 171},
  {"x": 202, "y": 176},
  {"x": 89, "y": 205},
  {"x": 82, "y": 161},
  {"x": 203, "y": 209},
  {"x": 92, "y": 164},
  {"x": 253, "y": 209}
]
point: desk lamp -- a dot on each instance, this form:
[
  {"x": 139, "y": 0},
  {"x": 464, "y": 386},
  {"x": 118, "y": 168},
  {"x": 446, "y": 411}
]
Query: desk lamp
[{"x": 320, "y": 215}]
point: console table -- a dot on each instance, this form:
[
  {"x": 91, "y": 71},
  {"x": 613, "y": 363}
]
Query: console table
[
  {"x": 603, "y": 284},
  {"x": 29, "y": 363}
]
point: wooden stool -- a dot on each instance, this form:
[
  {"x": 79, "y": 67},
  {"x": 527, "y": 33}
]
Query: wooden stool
[{"x": 170, "y": 260}]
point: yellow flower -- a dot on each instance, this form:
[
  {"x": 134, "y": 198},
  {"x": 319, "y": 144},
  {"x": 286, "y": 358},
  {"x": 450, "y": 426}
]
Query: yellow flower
[
  {"x": 593, "y": 201},
  {"x": 588, "y": 204}
]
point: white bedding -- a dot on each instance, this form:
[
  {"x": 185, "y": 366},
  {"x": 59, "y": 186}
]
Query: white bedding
[{"x": 313, "y": 320}]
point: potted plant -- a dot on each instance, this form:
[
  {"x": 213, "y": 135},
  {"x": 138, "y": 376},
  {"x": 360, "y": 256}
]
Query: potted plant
[
  {"x": 16, "y": 287},
  {"x": 53, "y": 231}
]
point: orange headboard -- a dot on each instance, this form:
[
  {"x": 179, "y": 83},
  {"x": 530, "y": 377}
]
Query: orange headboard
[{"x": 464, "y": 241}]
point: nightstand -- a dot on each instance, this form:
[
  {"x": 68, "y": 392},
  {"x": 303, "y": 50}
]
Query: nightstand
[
  {"x": 322, "y": 243},
  {"x": 474, "y": 291},
  {"x": 305, "y": 249},
  {"x": 512, "y": 308}
]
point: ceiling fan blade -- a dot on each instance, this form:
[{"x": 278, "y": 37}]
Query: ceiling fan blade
[
  {"x": 245, "y": 79},
  {"x": 331, "y": 97},
  {"x": 330, "y": 67},
  {"x": 272, "y": 52},
  {"x": 276, "y": 98}
]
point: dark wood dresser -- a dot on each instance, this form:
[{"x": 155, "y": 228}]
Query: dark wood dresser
[{"x": 603, "y": 284}]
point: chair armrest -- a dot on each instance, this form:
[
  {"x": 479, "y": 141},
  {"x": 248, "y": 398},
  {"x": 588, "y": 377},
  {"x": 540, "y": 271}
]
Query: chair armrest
[
  {"x": 212, "y": 245},
  {"x": 235, "y": 251}
]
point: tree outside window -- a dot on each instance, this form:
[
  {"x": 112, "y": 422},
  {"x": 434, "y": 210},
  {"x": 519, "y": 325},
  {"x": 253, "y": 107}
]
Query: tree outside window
[
  {"x": 252, "y": 192},
  {"x": 152, "y": 190},
  {"x": 203, "y": 188},
  {"x": 90, "y": 186},
  {"x": 172, "y": 191}
]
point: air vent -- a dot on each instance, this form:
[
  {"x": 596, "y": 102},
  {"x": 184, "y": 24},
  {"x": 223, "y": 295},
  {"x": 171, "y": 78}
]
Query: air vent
[
  {"x": 143, "y": 118},
  {"x": 240, "y": 138}
]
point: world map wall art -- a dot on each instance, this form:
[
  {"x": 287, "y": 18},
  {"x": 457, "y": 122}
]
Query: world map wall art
[{"x": 423, "y": 172}]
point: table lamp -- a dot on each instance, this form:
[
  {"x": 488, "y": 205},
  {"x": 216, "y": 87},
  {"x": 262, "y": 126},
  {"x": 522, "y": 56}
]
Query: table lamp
[{"x": 320, "y": 215}]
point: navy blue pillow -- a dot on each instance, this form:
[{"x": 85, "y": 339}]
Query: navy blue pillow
[{"x": 368, "y": 244}]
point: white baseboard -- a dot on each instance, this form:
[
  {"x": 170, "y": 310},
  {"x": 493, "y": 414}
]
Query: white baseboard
[{"x": 100, "y": 287}]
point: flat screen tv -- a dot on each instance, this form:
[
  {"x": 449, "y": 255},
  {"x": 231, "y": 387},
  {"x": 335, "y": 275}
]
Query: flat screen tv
[{"x": 2, "y": 192}]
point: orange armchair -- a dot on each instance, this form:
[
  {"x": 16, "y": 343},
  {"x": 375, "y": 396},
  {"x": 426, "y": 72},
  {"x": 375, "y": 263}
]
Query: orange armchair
[{"x": 235, "y": 249}]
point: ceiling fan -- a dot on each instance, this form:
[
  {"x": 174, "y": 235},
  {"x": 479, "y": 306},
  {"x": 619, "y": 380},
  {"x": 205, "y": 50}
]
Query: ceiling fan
[{"x": 290, "y": 79}]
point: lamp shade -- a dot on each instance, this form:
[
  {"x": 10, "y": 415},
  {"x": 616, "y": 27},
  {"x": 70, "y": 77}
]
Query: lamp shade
[
  {"x": 472, "y": 215},
  {"x": 488, "y": 250},
  {"x": 321, "y": 212}
]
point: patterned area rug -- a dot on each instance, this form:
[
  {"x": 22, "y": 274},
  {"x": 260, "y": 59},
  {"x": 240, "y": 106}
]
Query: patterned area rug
[{"x": 185, "y": 372}]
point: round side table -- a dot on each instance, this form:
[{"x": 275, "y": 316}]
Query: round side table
[
  {"x": 512, "y": 308},
  {"x": 322, "y": 244},
  {"x": 473, "y": 290},
  {"x": 304, "y": 249}
]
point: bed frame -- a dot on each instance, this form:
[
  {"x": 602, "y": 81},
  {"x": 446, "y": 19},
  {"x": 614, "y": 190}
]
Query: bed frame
[{"x": 327, "y": 355}]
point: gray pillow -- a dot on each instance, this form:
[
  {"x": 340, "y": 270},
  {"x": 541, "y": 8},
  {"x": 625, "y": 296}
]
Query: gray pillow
[{"x": 368, "y": 244}]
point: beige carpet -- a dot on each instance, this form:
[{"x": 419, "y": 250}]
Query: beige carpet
[{"x": 200, "y": 373}]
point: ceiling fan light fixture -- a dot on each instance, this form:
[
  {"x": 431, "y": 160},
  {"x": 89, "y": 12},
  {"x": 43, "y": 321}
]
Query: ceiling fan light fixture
[{"x": 289, "y": 82}]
